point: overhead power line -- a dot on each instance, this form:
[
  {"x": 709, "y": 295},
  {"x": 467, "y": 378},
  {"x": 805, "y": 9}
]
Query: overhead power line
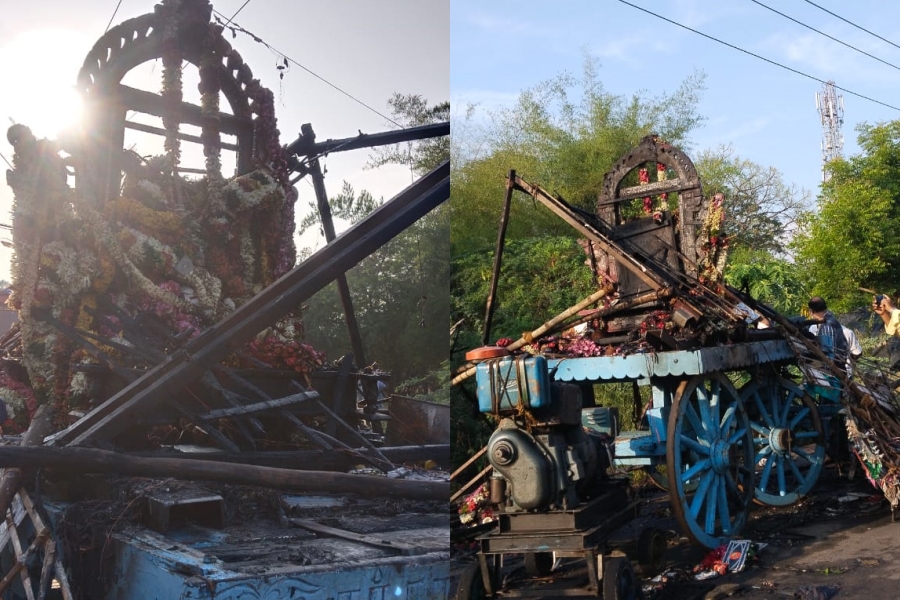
[
  {"x": 236, "y": 13},
  {"x": 113, "y": 16},
  {"x": 256, "y": 38},
  {"x": 825, "y": 34},
  {"x": 763, "y": 58},
  {"x": 854, "y": 24}
]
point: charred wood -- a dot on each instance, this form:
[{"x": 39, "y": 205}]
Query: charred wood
[{"x": 91, "y": 460}]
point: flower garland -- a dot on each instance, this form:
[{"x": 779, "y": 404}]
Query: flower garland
[
  {"x": 713, "y": 242},
  {"x": 209, "y": 88},
  {"x": 109, "y": 241},
  {"x": 280, "y": 347},
  {"x": 643, "y": 179},
  {"x": 476, "y": 509},
  {"x": 19, "y": 398},
  {"x": 172, "y": 89}
]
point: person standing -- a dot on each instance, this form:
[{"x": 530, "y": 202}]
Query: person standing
[
  {"x": 831, "y": 335},
  {"x": 883, "y": 306}
]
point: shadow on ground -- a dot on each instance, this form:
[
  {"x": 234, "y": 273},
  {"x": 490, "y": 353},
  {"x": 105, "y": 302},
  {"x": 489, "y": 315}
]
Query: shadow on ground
[{"x": 839, "y": 542}]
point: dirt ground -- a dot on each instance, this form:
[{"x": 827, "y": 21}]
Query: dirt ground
[{"x": 839, "y": 542}]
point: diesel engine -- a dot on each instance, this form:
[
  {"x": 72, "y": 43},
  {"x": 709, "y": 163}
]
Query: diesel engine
[{"x": 542, "y": 455}]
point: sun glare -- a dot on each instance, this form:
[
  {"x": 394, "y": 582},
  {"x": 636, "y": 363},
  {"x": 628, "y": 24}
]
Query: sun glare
[{"x": 39, "y": 69}]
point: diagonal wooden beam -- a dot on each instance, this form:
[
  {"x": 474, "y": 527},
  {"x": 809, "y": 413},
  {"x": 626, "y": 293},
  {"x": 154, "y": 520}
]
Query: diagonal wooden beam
[{"x": 283, "y": 296}]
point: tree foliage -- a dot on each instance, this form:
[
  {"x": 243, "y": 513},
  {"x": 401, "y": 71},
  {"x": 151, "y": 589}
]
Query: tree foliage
[
  {"x": 762, "y": 210},
  {"x": 853, "y": 239},
  {"x": 565, "y": 144},
  {"x": 412, "y": 110},
  {"x": 774, "y": 281},
  {"x": 400, "y": 293},
  {"x": 540, "y": 277}
]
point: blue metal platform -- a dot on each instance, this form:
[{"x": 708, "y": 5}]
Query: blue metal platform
[
  {"x": 406, "y": 558},
  {"x": 669, "y": 363}
]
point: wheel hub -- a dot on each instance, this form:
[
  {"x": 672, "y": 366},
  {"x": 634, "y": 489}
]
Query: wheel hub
[
  {"x": 719, "y": 453},
  {"x": 780, "y": 440}
]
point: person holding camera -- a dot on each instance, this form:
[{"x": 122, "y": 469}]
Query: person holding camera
[{"x": 890, "y": 314}]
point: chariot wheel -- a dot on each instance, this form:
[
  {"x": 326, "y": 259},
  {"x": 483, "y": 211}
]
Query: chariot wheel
[
  {"x": 710, "y": 445},
  {"x": 651, "y": 550},
  {"x": 788, "y": 440},
  {"x": 538, "y": 564},
  {"x": 619, "y": 581},
  {"x": 471, "y": 584}
]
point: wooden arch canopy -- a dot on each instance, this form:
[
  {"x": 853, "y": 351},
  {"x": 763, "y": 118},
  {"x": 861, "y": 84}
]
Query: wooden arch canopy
[
  {"x": 667, "y": 237},
  {"x": 141, "y": 39}
]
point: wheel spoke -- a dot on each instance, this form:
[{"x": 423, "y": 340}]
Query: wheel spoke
[
  {"x": 724, "y": 517},
  {"x": 788, "y": 403},
  {"x": 715, "y": 401},
  {"x": 782, "y": 485},
  {"x": 737, "y": 436},
  {"x": 732, "y": 485},
  {"x": 760, "y": 429},
  {"x": 700, "y": 494},
  {"x": 712, "y": 495},
  {"x": 762, "y": 410},
  {"x": 806, "y": 435},
  {"x": 694, "y": 445},
  {"x": 773, "y": 401},
  {"x": 764, "y": 477},
  {"x": 705, "y": 416},
  {"x": 691, "y": 415},
  {"x": 796, "y": 471},
  {"x": 728, "y": 418},
  {"x": 801, "y": 414},
  {"x": 694, "y": 470},
  {"x": 802, "y": 453},
  {"x": 762, "y": 454}
]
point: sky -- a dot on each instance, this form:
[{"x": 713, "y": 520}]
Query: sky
[
  {"x": 765, "y": 113},
  {"x": 368, "y": 49}
]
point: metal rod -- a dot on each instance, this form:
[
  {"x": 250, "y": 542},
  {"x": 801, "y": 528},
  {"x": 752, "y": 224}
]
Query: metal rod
[
  {"x": 303, "y": 146},
  {"x": 498, "y": 259},
  {"x": 318, "y": 180}
]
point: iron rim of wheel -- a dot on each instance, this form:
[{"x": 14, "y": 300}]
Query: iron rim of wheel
[
  {"x": 619, "y": 580},
  {"x": 789, "y": 440},
  {"x": 710, "y": 445}
]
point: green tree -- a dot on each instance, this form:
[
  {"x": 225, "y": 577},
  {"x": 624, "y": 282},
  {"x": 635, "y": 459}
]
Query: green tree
[
  {"x": 400, "y": 293},
  {"x": 771, "y": 280},
  {"x": 761, "y": 209},
  {"x": 541, "y": 277},
  {"x": 853, "y": 239},
  {"x": 565, "y": 144},
  {"x": 412, "y": 110}
]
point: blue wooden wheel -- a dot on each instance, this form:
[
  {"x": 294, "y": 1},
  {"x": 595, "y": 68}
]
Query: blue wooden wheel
[
  {"x": 709, "y": 454},
  {"x": 788, "y": 439}
]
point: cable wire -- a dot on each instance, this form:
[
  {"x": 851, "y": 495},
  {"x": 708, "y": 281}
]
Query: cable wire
[
  {"x": 113, "y": 16},
  {"x": 770, "y": 61},
  {"x": 852, "y": 23},
  {"x": 826, "y": 35},
  {"x": 235, "y": 27},
  {"x": 236, "y": 13}
]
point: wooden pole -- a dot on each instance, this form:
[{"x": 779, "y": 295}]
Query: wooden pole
[
  {"x": 91, "y": 460},
  {"x": 526, "y": 339},
  {"x": 498, "y": 259},
  {"x": 39, "y": 428}
]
